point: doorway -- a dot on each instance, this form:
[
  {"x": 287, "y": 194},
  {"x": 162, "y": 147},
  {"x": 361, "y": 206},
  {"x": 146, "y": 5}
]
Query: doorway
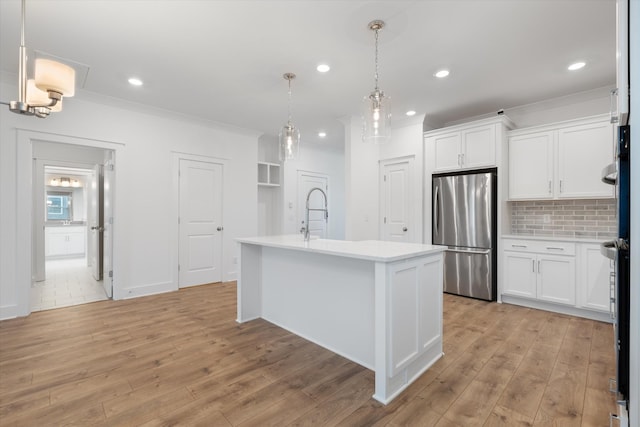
[
  {"x": 68, "y": 248},
  {"x": 318, "y": 221},
  {"x": 396, "y": 200}
]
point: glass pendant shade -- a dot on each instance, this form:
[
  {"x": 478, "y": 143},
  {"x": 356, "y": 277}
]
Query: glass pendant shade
[
  {"x": 55, "y": 76},
  {"x": 289, "y": 142},
  {"x": 376, "y": 118}
]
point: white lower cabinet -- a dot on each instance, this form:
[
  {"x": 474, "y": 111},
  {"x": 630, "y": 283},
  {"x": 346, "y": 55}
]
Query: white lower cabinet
[
  {"x": 594, "y": 278},
  {"x": 540, "y": 276},
  {"x": 567, "y": 277},
  {"x": 65, "y": 241}
]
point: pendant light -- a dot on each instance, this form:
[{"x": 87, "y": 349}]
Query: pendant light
[
  {"x": 43, "y": 94},
  {"x": 376, "y": 115},
  {"x": 289, "y": 135}
]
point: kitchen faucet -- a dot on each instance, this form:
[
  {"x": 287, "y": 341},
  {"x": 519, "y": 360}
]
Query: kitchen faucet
[{"x": 326, "y": 212}]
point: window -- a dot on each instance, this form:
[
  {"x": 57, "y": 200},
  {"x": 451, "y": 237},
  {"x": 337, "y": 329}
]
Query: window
[{"x": 59, "y": 206}]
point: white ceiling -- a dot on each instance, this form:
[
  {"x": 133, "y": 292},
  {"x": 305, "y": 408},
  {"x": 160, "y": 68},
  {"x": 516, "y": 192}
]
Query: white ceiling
[{"x": 223, "y": 60}]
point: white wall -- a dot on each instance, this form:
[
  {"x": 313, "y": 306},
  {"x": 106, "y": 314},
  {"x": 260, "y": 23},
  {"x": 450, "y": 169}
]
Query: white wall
[
  {"x": 362, "y": 170},
  {"x": 321, "y": 160},
  {"x": 145, "y": 227}
]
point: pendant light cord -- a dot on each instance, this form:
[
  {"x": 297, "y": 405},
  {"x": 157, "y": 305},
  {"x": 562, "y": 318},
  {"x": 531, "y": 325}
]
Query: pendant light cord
[
  {"x": 289, "y": 103},
  {"x": 376, "y": 74}
]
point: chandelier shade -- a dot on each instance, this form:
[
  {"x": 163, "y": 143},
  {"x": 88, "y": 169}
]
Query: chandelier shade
[{"x": 55, "y": 77}]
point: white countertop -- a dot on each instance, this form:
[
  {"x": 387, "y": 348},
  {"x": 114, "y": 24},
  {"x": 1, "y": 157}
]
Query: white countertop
[
  {"x": 372, "y": 250},
  {"x": 555, "y": 239}
]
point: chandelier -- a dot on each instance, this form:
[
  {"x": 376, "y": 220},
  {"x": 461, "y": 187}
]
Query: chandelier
[{"x": 43, "y": 94}]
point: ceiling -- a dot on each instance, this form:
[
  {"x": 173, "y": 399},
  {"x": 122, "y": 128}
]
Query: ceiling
[{"x": 223, "y": 60}]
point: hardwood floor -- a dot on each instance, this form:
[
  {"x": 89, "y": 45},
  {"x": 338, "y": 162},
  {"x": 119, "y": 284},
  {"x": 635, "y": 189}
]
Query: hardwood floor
[{"x": 181, "y": 359}]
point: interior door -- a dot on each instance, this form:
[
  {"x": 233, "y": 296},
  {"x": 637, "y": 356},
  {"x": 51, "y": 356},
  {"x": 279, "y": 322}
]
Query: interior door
[
  {"x": 396, "y": 224},
  {"x": 96, "y": 222},
  {"x": 200, "y": 211},
  {"x": 318, "y": 222},
  {"x": 108, "y": 190}
]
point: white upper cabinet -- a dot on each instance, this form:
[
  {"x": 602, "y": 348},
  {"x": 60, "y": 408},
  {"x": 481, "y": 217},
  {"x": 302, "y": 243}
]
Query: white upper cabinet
[
  {"x": 531, "y": 166},
  {"x": 563, "y": 160},
  {"x": 582, "y": 153},
  {"x": 469, "y": 146}
]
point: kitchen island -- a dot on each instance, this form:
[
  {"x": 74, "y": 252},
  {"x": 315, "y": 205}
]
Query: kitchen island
[{"x": 376, "y": 303}]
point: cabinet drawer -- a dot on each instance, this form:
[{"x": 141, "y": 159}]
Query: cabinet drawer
[{"x": 542, "y": 247}]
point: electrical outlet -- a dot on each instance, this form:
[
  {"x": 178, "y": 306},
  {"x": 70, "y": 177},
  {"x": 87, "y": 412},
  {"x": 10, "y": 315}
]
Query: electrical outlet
[
  {"x": 235, "y": 260},
  {"x": 546, "y": 219}
]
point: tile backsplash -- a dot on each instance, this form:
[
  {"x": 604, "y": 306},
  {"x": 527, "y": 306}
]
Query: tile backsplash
[{"x": 565, "y": 218}]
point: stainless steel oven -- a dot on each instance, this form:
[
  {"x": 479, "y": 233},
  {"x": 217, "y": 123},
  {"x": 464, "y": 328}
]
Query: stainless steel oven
[{"x": 618, "y": 174}]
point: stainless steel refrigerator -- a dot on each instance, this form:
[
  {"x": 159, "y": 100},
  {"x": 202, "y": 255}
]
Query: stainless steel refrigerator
[{"x": 464, "y": 219}]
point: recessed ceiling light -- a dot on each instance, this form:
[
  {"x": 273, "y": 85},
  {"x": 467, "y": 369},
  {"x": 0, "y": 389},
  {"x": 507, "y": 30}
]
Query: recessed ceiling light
[
  {"x": 323, "y": 68},
  {"x": 135, "y": 81},
  {"x": 322, "y": 134},
  {"x": 576, "y": 66},
  {"x": 442, "y": 73},
  {"x": 410, "y": 113}
]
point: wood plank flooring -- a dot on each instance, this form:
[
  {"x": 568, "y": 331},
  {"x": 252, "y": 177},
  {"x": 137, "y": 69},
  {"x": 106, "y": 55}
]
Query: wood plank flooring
[{"x": 181, "y": 359}]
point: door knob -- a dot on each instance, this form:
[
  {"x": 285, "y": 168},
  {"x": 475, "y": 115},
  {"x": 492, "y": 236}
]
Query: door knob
[
  {"x": 96, "y": 228},
  {"x": 404, "y": 228},
  {"x": 220, "y": 228}
]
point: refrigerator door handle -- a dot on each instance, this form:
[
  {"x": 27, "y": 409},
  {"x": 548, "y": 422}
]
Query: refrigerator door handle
[
  {"x": 436, "y": 219},
  {"x": 471, "y": 251}
]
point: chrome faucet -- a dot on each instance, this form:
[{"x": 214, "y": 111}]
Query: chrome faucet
[{"x": 306, "y": 218}]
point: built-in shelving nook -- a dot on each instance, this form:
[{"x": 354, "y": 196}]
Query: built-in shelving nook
[{"x": 268, "y": 174}]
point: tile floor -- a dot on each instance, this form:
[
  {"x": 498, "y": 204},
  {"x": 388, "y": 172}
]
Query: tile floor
[{"x": 68, "y": 282}]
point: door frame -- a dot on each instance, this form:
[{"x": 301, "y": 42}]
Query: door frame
[
  {"x": 414, "y": 192},
  {"x": 299, "y": 203},
  {"x": 24, "y": 205}
]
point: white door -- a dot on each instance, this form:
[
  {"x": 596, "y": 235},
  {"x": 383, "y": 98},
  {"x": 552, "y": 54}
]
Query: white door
[
  {"x": 531, "y": 166},
  {"x": 108, "y": 189},
  {"x": 95, "y": 213},
  {"x": 556, "y": 279},
  {"x": 318, "y": 221},
  {"x": 200, "y": 250},
  {"x": 396, "y": 201}
]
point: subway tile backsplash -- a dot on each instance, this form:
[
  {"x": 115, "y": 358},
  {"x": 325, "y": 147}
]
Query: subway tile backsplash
[{"x": 565, "y": 218}]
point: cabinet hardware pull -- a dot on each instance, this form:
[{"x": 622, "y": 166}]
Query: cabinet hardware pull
[
  {"x": 538, "y": 266},
  {"x": 549, "y": 186},
  {"x": 533, "y": 265},
  {"x": 555, "y": 248},
  {"x": 462, "y": 159},
  {"x": 561, "y": 186},
  {"x": 518, "y": 246}
]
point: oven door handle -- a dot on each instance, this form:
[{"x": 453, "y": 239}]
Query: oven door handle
[
  {"x": 610, "y": 174},
  {"x": 609, "y": 249}
]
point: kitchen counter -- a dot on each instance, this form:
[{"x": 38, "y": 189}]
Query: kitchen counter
[{"x": 376, "y": 303}]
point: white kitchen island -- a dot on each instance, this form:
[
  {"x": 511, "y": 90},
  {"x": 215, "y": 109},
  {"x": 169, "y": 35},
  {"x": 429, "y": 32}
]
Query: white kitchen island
[{"x": 376, "y": 303}]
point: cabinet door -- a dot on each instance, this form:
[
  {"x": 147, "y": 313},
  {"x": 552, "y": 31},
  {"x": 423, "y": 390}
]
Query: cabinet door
[
  {"x": 75, "y": 243},
  {"x": 56, "y": 244},
  {"x": 582, "y": 152},
  {"x": 556, "y": 279},
  {"x": 519, "y": 274},
  {"x": 447, "y": 151},
  {"x": 478, "y": 147},
  {"x": 594, "y": 278},
  {"x": 531, "y": 166}
]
